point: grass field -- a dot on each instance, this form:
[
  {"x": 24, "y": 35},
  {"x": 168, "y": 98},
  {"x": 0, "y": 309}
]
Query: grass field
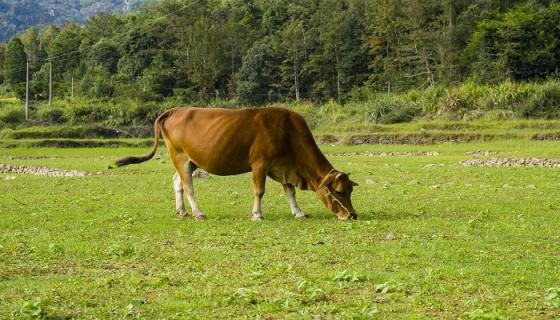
[{"x": 434, "y": 240}]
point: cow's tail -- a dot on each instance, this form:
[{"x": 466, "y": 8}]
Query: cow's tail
[{"x": 157, "y": 128}]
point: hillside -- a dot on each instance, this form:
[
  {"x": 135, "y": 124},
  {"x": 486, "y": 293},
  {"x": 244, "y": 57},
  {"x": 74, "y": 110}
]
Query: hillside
[{"x": 18, "y": 15}]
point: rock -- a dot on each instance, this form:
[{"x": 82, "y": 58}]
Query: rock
[
  {"x": 512, "y": 162},
  {"x": 370, "y": 181},
  {"x": 41, "y": 171},
  {"x": 531, "y": 186},
  {"x": 507, "y": 186},
  {"x": 10, "y": 177},
  {"x": 388, "y": 154},
  {"x": 390, "y": 236}
]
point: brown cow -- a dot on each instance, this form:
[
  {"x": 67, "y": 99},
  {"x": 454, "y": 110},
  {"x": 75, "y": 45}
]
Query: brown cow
[{"x": 272, "y": 142}]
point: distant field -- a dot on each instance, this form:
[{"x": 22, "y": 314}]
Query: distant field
[{"x": 434, "y": 240}]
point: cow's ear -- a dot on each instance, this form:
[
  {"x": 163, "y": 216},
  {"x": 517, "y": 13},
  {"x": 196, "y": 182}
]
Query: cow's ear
[{"x": 355, "y": 184}]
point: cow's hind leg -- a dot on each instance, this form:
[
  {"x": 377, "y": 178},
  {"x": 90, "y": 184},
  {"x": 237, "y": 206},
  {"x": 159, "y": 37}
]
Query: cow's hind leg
[
  {"x": 178, "y": 187},
  {"x": 185, "y": 169},
  {"x": 190, "y": 167},
  {"x": 259, "y": 180},
  {"x": 291, "y": 193}
]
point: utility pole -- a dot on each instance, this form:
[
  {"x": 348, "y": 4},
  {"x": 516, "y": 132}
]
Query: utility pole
[
  {"x": 50, "y": 84},
  {"x": 27, "y": 92}
]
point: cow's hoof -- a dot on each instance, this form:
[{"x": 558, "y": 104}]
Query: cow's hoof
[
  {"x": 301, "y": 215},
  {"x": 200, "y": 217},
  {"x": 257, "y": 217}
]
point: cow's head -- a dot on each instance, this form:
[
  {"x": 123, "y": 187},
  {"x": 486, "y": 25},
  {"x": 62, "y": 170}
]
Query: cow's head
[{"x": 335, "y": 191}]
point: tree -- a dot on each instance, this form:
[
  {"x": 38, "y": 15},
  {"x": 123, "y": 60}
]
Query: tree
[
  {"x": 2, "y": 59},
  {"x": 35, "y": 51},
  {"x": 104, "y": 54},
  {"x": 100, "y": 26},
  {"x": 241, "y": 26},
  {"x": 15, "y": 63},
  {"x": 157, "y": 80},
  {"x": 64, "y": 52},
  {"x": 293, "y": 41},
  {"x": 341, "y": 60},
  {"x": 97, "y": 82},
  {"x": 524, "y": 43},
  {"x": 138, "y": 46},
  {"x": 259, "y": 75},
  {"x": 47, "y": 35}
]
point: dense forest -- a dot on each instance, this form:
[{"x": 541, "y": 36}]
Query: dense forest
[{"x": 260, "y": 51}]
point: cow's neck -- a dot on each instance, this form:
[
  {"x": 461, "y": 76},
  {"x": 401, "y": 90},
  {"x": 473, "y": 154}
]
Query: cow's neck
[{"x": 318, "y": 169}]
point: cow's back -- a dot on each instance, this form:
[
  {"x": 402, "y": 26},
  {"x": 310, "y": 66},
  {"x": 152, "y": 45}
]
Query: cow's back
[{"x": 226, "y": 142}]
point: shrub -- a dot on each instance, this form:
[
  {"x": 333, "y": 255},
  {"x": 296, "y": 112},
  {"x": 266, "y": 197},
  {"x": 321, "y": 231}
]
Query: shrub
[
  {"x": 11, "y": 116},
  {"x": 544, "y": 103},
  {"x": 331, "y": 112},
  {"x": 144, "y": 114},
  {"x": 88, "y": 113},
  {"x": 390, "y": 108},
  {"x": 52, "y": 115}
]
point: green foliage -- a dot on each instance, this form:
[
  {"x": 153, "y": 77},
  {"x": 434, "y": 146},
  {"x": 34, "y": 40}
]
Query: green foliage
[
  {"x": 14, "y": 63},
  {"x": 552, "y": 297},
  {"x": 2, "y": 59},
  {"x": 35, "y": 308},
  {"x": 387, "y": 108},
  {"x": 63, "y": 51},
  {"x": 97, "y": 83},
  {"x": 104, "y": 54},
  {"x": 522, "y": 43},
  {"x": 481, "y": 314},
  {"x": 543, "y": 103},
  {"x": 432, "y": 59},
  {"x": 259, "y": 73},
  {"x": 11, "y": 116},
  {"x": 74, "y": 132},
  {"x": 51, "y": 115}
]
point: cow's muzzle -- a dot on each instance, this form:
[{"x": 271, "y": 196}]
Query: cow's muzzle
[{"x": 353, "y": 216}]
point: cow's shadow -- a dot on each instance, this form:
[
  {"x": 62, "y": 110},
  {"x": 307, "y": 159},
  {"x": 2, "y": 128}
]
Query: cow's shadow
[{"x": 365, "y": 216}]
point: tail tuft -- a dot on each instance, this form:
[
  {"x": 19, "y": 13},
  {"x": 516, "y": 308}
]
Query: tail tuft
[{"x": 131, "y": 160}]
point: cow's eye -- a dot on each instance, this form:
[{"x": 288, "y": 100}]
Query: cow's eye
[{"x": 338, "y": 192}]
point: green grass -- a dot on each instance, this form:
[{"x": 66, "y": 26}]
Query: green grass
[{"x": 441, "y": 241}]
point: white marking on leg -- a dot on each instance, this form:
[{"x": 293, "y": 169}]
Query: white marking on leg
[
  {"x": 257, "y": 211},
  {"x": 291, "y": 193},
  {"x": 188, "y": 184},
  {"x": 178, "y": 187},
  {"x": 259, "y": 181}
]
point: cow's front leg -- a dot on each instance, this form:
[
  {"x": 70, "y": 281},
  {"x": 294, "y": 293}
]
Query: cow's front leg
[
  {"x": 178, "y": 187},
  {"x": 259, "y": 180},
  {"x": 189, "y": 169},
  {"x": 291, "y": 193}
]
